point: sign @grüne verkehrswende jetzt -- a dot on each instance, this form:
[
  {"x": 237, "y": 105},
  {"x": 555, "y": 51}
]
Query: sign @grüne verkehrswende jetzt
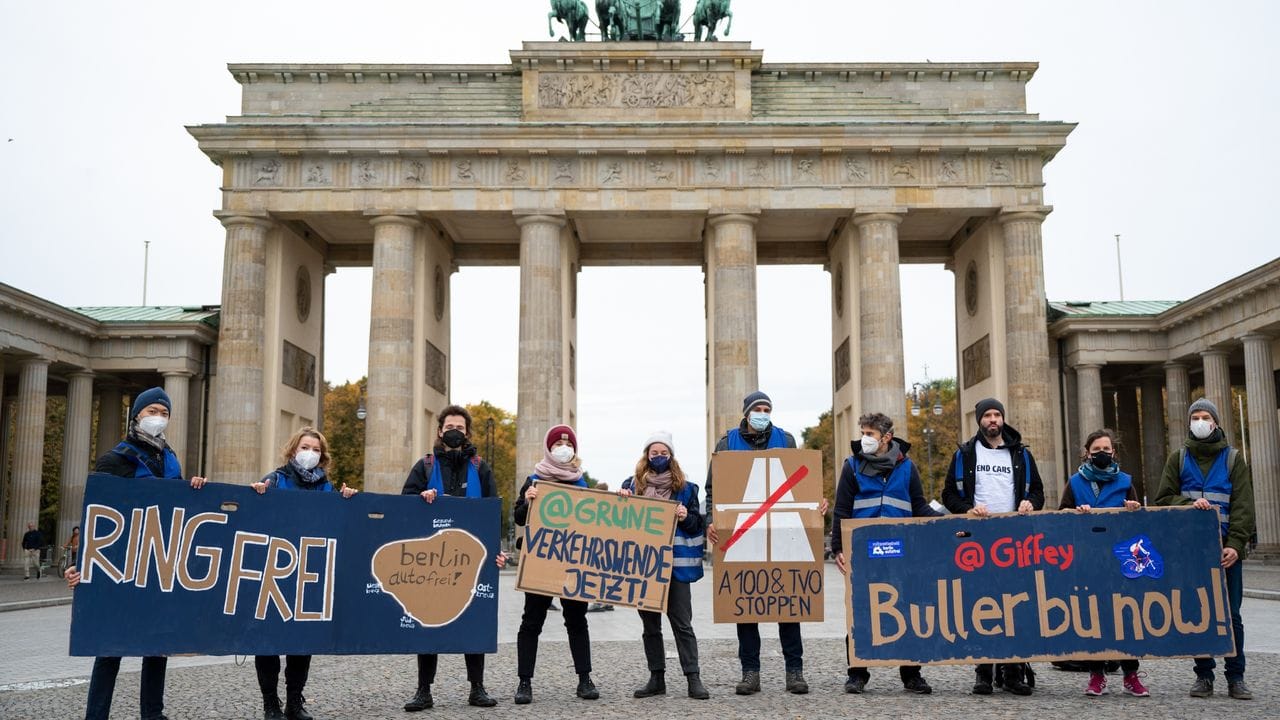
[
  {"x": 1045, "y": 586},
  {"x": 598, "y": 546}
]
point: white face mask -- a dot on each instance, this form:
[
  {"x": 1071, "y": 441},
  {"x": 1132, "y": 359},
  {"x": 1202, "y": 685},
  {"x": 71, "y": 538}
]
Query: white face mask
[
  {"x": 869, "y": 445},
  {"x": 1201, "y": 429},
  {"x": 307, "y": 459},
  {"x": 153, "y": 425},
  {"x": 562, "y": 453}
]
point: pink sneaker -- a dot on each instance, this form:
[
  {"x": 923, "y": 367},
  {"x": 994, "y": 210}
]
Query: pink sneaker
[
  {"x": 1097, "y": 684},
  {"x": 1133, "y": 685}
]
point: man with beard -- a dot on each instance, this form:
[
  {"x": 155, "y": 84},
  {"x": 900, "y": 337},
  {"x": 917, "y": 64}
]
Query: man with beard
[
  {"x": 453, "y": 467},
  {"x": 994, "y": 473}
]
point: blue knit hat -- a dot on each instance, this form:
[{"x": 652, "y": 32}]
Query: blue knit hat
[
  {"x": 149, "y": 397},
  {"x": 755, "y": 398}
]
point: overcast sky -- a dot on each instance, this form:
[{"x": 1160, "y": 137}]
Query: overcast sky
[{"x": 1175, "y": 101}]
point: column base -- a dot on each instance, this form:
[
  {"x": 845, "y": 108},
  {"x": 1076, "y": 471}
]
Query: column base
[{"x": 1268, "y": 555}]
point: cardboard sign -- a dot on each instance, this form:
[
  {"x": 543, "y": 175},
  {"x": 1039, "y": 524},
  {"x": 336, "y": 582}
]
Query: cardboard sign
[
  {"x": 167, "y": 569},
  {"x": 1046, "y": 586},
  {"x": 598, "y": 546},
  {"x": 768, "y": 565}
]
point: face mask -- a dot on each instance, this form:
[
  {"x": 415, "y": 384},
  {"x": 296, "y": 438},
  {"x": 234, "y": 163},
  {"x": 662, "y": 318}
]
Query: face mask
[
  {"x": 1101, "y": 460},
  {"x": 453, "y": 438},
  {"x": 659, "y": 463},
  {"x": 307, "y": 459},
  {"x": 1201, "y": 429},
  {"x": 153, "y": 425},
  {"x": 869, "y": 445},
  {"x": 562, "y": 453},
  {"x": 758, "y": 421}
]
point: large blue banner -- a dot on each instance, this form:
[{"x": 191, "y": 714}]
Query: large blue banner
[
  {"x": 168, "y": 569},
  {"x": 1044, "y": 586}
]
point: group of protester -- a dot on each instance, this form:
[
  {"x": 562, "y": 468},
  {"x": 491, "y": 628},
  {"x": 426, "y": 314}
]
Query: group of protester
[{"x": 991, "y": 473}]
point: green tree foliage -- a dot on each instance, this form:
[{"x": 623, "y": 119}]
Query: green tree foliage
[
  {"x": 345, "y": 433},
  {"x": 55, "y": 424},
  {"x": 944, "y": 431},
  {"x": 502, "y": 458},
  {"x": 820, "y": 437}
]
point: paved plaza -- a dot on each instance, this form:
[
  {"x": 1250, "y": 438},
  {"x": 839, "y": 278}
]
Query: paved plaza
[{"x": 38, "y": 681}]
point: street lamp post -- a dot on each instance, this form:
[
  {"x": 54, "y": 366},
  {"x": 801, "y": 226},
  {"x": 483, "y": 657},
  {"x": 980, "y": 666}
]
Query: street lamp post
[{"x": 361, "y": 412}]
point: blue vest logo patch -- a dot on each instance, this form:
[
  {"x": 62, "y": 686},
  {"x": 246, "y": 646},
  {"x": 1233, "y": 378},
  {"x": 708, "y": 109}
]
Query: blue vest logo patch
[
  {"x": 884, "y": 548},
  {"x": 1138, "y": 557}
]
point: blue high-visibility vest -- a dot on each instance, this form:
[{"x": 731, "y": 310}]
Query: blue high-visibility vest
[
  {"x": 887, "y": 496},
  {"x": 1107, "y": 495},
  {"x": 1216, "y": 488},
  {"x": 777, "y": 439},
  {"x": 172, "y": 470}
]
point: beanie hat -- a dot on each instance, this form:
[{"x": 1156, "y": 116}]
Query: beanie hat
[
  {"x": 1207, "y": 405},
  {"x": 158, "y": 395},
  {"x": 561, "y": 431},
  {"x": 988, "y": 404},
  {"x": 659, "y": 436},
  {"x": 753, "y": 399}
]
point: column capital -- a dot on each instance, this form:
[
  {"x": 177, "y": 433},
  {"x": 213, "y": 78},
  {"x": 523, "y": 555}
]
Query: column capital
[
  {"x": 719, "y": 217},
  {"x": 1030, "y": 213},
  {"x": 34, "y": 360},
  {"x": 1254, "y": 337},
  {"x": 177, "y": 373},
  {"x": 890, "y": 215},
  {"x": 540, "y": 217},
  {"x": 1215, "y": 352},
  {"x": 1087, "y": 366},
  {"x": 1174, "y": 365},
  {"x": 233, "y": 218},
  {"x": 81, "y": 372},
  {"x": 391, "y": 217}
]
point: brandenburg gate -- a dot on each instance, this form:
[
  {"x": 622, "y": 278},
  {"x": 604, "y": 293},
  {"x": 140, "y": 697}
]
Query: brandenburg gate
[{"x": 621, "y": 153}]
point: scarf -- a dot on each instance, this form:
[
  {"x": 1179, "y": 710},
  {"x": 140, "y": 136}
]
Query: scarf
[
  {"x": 658, "y": 486},
  {"x": 135, "y": 434},
  {"x": 548, "y": 469},
  {"x": 1099, "y": 477},
  {"x": 314, "y": 476},
  {"x": 882, "y": 464}
]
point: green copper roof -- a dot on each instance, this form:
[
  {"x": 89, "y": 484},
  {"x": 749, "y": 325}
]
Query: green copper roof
[
  {"x": 207, "y": 314},
  {"x": 1110, "y": 308}
]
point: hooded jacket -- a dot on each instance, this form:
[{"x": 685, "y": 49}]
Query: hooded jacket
[
  {"x": 958, "y": 489},
  {"x": 1241, "y": 513},
  {"x": 847, "y": 489}
]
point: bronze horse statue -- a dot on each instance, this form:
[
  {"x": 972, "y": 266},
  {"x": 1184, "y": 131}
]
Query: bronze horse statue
[
  {"x": 669, "y": 20},
  {"x": 708, "y": 14},
  {"x": 573, "y": 13},
  {"x": 609, "y": 20}
]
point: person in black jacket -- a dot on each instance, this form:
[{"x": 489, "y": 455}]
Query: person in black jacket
[
  {"x": 32, "y": 541},
  {"x": 994, "y": 473},
  {"x": 453, "y": 467},
  {"x": 143, "y": 453}
]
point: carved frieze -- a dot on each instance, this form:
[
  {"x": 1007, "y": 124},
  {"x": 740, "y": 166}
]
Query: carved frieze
[
  {"x": 564, "y": 91},
  {"x": 298, "y": 369}
]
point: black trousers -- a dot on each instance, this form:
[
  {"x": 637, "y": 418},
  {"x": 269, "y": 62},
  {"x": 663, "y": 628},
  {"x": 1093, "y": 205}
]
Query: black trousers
[
  {"x": 788, "y": 636},
  {"x": 296, "y": 670},
  {"x": 427, "y": 663},
  {"x": 906, "y": 672},
  {"x": 102, "y": 685},
  {"x": 535, "y": 615},
  {"x": 680, "y": 616}
]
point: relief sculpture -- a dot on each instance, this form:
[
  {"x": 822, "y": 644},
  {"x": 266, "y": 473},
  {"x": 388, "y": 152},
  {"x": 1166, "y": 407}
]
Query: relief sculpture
[{"x": 636, "y": 90}]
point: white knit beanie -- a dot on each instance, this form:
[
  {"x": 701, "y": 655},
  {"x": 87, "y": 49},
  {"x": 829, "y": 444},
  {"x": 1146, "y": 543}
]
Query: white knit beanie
[{"x": 659, "y": 436}]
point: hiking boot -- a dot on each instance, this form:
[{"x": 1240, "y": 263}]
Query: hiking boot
[
  {"x": 796, "y": 684},
  {"x": 421, "y": 700},
  {"x": 271, "y": 708},
  {"x": 657, "y": 685},
  {"x": 1238, "y": 690},
  {"x": 917, "y": 685},
  {"x": 1016, "y": 686},
  {"x": 524, "y": 692},
  {"x": 1133, "y": 685},
  {"x": 982, "y": 686},
  {"x": 855, "y": 684},
  {"x": 697, "y": 690},
  {"x": 1202, "y": 688},
  {"x": 749, "y": 684},
  {"x": 1098, "y": 684},
  {"x": 478, "y": 696},
  {"x": 587, "y": 689},
  {"x": 295, "y": 708}
]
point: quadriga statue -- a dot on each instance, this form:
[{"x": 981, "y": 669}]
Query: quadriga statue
[
  {"x": 708, "y": 14},
  {"x": 573, "y": 13}
]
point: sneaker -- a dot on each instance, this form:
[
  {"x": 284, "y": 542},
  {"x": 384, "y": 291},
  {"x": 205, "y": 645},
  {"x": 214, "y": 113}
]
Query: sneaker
[
  {"x": 855, "y": 684},
  {"x": 982, "y": 687},
  {"x": 916, "y": 685},
  {"x": 796, "y": 684},
  {"x": 1098, "y": 684},
  {"x": 749, "y": 684},
  {"x": 1238, "y": 690},
  {"x": 1202, "y": 688},
  {"x": 1133, "y": 685}
]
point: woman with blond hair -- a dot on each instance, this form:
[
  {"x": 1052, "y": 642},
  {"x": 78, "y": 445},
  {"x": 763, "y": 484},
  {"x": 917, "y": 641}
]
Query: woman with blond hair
[
  {"x": 658, "y": 475},
  {"x": 306, "y": 456}
]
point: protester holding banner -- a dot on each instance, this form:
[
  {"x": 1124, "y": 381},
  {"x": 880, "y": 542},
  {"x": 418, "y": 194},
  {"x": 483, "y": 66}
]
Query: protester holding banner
[
  {"x": 143, "y": 453},
  {"x": 756, "y": 431},
  {"x": 658, "y": 475},
  {"x": 1099, "y": 483},
  {"x": 878, "y": 480},
  {"x": 453, "y": 467},
  {"x": 306, "y": 456},
  {"x": 994, "y": 473},
  {"x": 1211, "y": 475},
  {"x": 560, "y": 464}
]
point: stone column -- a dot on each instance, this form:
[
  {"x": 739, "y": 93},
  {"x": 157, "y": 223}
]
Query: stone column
[
  {"x": 731, "y": 337},
  {"x": 1153, "y": 444},
  {"x": 1217, "y": 388},
  {"x": 1129, "y": 428},
  {"x": 1264, "y": 439},
  {"x": 540, "y": 397},
  {"x": 28, "y": 455},
  {"x": 237, "y": 434},
  {"x": 1027, "y": 341},
  {"x": 880, "y": 317},
  {"x": 1088, "y": 402},
  {"x": 1177, "y": 397},
  {"x": 388, "y": 444},
  {"x": 75, "y": 452},
  {"x": 110, "y": 412},
  {"x": 176, "y": 385}
]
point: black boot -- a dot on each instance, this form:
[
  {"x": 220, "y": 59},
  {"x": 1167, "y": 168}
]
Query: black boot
[
  {"x": 524, "y": 692},
  {"x": 657, "y": 685},
  {"x": 421, "y": 700},
  {"x": 271, "y": 707},
  {"x": 697, "y": 690},
  {"x": 480, "y": 698},
  {"x": 295, "y": 708},
  {"x": 587, "y": 689}
]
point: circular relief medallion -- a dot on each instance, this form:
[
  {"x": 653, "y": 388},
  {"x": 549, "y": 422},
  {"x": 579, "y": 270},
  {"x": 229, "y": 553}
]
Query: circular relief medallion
[
  {"x": 837, "y": 287},
  {"x": 971, "y": 288},
  {"x": 303, "y": 294},
  {"x": 439, "y": 297}
]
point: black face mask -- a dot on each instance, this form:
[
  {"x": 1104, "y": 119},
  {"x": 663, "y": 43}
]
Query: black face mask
[
  {"x": 453, "y": 438},
  {"x": 1101, "y": 460}
]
